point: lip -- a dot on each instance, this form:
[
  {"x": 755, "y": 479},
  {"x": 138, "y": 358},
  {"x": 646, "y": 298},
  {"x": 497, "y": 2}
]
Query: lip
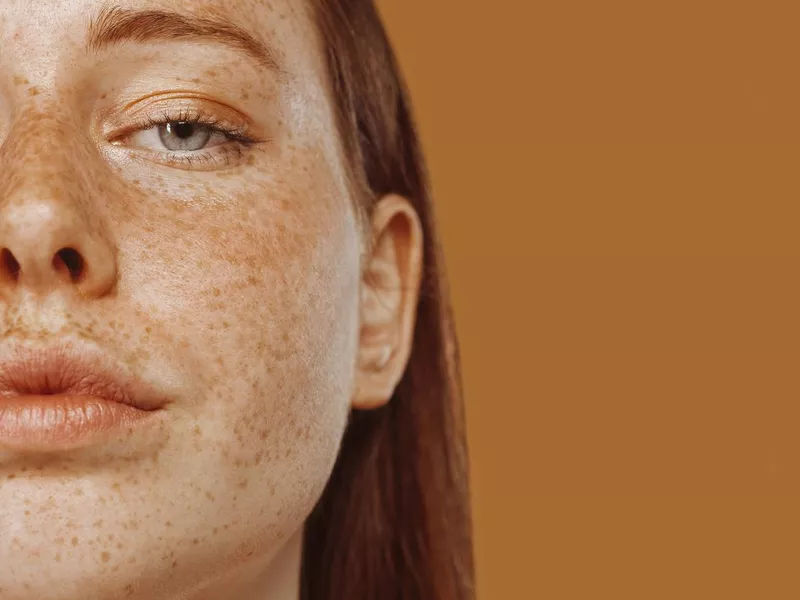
[{"x": 66, "y": 396}]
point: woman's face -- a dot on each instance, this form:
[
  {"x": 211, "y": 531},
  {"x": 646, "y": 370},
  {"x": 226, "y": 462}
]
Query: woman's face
[{"x": 222, "y": 265}]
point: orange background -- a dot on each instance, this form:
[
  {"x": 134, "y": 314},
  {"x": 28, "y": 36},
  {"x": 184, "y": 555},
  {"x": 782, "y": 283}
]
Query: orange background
[{"x": 618, "y": 187}]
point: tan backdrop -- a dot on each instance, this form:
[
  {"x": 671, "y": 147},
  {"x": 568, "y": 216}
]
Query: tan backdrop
[{"x": 618, "y": 185}]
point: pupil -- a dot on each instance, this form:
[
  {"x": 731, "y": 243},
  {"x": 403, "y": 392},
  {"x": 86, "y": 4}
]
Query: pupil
[{"x": 182, "y": 129}]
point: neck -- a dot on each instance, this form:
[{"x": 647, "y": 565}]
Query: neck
[
  {"x": 282, "y": 578},
  {"x": 279, "y": 579}
]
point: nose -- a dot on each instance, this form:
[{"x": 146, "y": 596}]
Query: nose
[
  {"x": 46, "y": 246},
  {"x": 52, "y": 236}
]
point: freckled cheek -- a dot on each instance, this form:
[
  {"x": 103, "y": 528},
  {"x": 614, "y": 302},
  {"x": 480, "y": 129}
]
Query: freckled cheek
[
  {"x": 289, "y": 343},
  {"x": 250, "y": 285},
  {"x": 273, "y": 419},
  {"x": 272, "y": 288},
  {"x": 289, "y": 352}
]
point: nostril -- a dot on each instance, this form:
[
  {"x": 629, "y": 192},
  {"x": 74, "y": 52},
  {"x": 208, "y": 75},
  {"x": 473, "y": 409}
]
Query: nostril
[
  {"x": 9, "y": 264},
  {"x": 72, "y": 260}
]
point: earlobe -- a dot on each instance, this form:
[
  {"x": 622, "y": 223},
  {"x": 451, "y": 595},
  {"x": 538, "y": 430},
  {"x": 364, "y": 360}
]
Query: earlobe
[{"x": 390, "y": 292}]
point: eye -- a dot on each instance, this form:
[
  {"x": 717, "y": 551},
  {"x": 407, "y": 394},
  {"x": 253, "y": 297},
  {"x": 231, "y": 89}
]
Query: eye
[
  {"x": 183, "y": 135},
  {"x": 189, "y": 138},
  {"x": 178, "y": 136}
]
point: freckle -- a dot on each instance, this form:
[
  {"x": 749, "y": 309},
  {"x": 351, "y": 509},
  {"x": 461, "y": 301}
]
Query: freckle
[
  {"x": 34, "y": 91},
  {"x": 105, "y": 556},
  {"x": 58, "y": 557},
  {"x": 243, "y": 484},
  {"x": 195, "y": 541},
  {"x": 215, "y": 530},
  {"x": 27, "y": 513},
  {"x": 174, "y": 563},
  {"x": 169, "y": 523},
  {"x": 11, "y": 476},
  {"x": 74, "y": 541}
]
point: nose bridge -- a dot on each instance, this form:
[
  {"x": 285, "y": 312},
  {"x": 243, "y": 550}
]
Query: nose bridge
[
  {"x": 39, "y": 153},
  {"x": 50, "y": 238}
]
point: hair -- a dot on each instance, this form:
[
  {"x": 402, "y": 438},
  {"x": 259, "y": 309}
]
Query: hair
[{"x": 394, "y": 521}]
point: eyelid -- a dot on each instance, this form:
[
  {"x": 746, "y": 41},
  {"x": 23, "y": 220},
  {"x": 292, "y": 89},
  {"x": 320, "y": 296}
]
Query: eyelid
[
  {"x": 125, "y": 121},
  {"x": 150, "y": 121}
]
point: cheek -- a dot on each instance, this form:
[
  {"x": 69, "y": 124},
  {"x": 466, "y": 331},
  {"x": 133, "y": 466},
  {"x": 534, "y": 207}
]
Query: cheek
[
  {"x": 280, "y": 337},
  {"x": 260, "y": 306}
]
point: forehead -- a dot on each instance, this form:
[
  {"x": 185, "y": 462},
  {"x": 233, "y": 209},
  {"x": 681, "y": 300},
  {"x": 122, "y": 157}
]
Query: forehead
[{"x": 63, "y": 25}]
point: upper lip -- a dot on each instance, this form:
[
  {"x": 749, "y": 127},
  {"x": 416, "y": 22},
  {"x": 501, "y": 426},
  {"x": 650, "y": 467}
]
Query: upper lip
[{"x": 71, "y": 369}]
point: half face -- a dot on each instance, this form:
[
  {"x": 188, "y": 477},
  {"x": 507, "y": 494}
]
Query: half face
[{"x": 186, "y": 151}]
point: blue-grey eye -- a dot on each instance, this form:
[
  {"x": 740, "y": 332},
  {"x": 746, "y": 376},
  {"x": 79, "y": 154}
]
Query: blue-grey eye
[{"x": 184, "y": 136}]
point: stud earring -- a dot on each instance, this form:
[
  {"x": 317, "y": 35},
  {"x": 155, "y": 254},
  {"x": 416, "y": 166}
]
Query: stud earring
[{"x": 386, "y": 354}]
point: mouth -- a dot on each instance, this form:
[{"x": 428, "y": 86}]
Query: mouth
[{"x": 67, "y": 396}]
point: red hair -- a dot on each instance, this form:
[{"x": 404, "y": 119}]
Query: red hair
[{"x": 394, "y": 520}]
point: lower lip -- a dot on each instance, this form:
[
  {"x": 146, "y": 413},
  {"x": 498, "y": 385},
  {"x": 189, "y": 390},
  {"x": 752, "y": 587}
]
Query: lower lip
[{"x": 62, "y": 422}]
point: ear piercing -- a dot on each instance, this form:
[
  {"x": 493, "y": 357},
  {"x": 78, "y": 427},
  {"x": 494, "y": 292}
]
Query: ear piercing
[{"x": 386, "y": 354}]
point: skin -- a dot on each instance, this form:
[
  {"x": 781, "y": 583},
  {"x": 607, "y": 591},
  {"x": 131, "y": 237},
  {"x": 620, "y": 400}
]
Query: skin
[{"x": 244, "y": 289}]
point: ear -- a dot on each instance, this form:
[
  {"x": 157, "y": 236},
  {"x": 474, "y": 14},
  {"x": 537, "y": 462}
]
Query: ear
[{"x": 389, "y": 293}]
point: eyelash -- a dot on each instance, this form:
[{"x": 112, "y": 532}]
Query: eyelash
[{"x": 241, "y": 142}]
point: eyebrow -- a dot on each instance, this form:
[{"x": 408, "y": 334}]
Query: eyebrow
[{"x": 114, "y": 25}]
